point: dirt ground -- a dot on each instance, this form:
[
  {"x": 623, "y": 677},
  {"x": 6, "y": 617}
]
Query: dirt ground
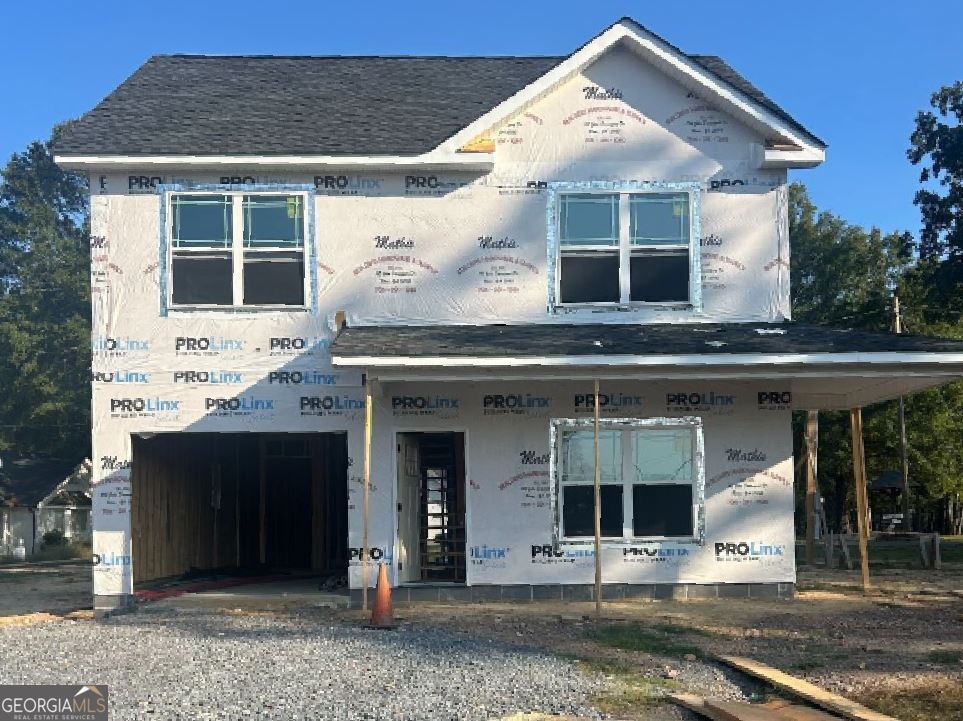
[
  {"x": 55, "y": 588},
  {"x": 899, "y": 650}
]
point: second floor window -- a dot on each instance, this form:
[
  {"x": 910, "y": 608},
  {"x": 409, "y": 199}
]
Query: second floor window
[
  {"x": 237, "y": 250},
  {"x": 621, "y": 248}
]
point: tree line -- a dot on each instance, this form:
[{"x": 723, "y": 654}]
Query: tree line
[{"x": 842, "y": 275}]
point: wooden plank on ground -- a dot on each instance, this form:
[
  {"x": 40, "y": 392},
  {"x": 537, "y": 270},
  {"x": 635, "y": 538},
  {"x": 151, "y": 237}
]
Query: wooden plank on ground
[
  {"x": 812, "y": 693},
  {"x": 803, "y": 713},
  {"x": 694, "y": 703},
  {"x": 735, "y": 711}
]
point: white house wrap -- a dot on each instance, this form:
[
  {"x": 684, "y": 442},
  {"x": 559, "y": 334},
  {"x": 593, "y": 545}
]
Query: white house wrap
[{"x": 461, "y": 232}]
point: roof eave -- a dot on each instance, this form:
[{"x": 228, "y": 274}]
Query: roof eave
[{"x": 473, "y": 162}]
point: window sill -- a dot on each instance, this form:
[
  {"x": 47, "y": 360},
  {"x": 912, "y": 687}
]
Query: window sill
[
  {"x": 236, "y": 309},
  {"x": 621, "y": 541},
  {"x": 621, "y": 307}
]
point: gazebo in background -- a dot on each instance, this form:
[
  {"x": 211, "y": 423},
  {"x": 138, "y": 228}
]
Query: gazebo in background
[{"x": 886, "y": 490}]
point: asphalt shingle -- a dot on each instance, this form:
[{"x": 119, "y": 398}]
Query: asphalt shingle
[
  {"x": 315, "y": 105},
  {"x": 555, "y": 340}
]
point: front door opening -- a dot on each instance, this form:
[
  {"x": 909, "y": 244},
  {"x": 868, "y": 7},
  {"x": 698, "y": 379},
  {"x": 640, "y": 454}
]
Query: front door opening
[
  {"x": 249, "y": 503},
  {"x": 431, "y": 507}
]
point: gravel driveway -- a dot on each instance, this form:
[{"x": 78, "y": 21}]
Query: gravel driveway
[{"x": 183, "y": 663}]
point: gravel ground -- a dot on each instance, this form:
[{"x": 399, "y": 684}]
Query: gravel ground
[{"x": 169, "y": 663}]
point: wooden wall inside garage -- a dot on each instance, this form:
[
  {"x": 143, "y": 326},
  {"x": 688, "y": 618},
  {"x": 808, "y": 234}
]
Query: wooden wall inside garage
[{"x": 175, "y": 526}]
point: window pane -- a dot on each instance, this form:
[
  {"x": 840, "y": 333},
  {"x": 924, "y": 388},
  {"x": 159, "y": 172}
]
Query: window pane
[
  {"x": 273, "y": 220},
  {"x": 662, "y": 510},
  {"x": 201, "y": 221},
  {"x": 659, "y": 277},
  {"x": 590, "y": 219},
  {"x": 578, "y": 456},
  {"x": 273, "y": 278},
  {"x": 578, "y": 510},
  {"x": 660, "y": 218},
  {"x": 662, "y": 454},
  {"x": 589, "y": 278},
  {"x": 202, "y": 279}
]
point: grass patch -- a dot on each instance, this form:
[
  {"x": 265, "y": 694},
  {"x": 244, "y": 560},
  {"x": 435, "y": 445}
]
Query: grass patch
[
  {"x": 935, "y": 701},
  {"x": 628, "y": 691},
  {"x": 904, "y": 553},
  {"x": 674, "y": 629},
  {"x": 649, "y": 639},
  {"x": 944, "y": 655}
]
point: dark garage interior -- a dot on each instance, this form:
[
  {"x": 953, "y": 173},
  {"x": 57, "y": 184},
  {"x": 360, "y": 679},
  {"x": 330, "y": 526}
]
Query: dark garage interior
[{"x": 239, "y": 502}]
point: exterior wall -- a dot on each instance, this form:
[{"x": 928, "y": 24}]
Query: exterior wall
[
  {"x": 413, "y": 249},
  {"x": 748, "y": 483}
]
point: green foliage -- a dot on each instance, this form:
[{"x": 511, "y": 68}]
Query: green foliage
[
  {"x": 54, "y": 538},
  {"x": 844, "y": 275},
  {"x": 937, "y": 145},
  {"x": 44, "y": 307}
]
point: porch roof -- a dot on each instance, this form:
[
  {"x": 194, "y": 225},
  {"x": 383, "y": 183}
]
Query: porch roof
[
  {"x": 554, "y": 340},
  {"x": 825, "y": 367}
]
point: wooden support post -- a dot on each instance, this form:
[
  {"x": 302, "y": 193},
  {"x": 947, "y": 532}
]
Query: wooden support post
[
  {"x": 924, "y": 551},
  {"x": 862, "y": 500},
  {"x": 598, "y": 510},
  {"x": 812, "y": 426},
  {"x": 262, "y": 504},
  {"x": 937, "y": 558},
  {"x": 365, "y": 552}
]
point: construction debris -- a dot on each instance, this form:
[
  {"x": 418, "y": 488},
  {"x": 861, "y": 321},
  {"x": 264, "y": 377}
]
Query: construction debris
[{"x": 813, "y": 694}]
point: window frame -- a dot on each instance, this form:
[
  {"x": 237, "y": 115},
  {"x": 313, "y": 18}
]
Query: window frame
[
  {"x": 237, "y": 248},
  {"x": 624, "y": 249},
  {"x": 693, "y": 423}
]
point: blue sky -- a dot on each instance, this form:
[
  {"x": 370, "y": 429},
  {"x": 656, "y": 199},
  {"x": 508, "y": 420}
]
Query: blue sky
[{"x": 854, "y": 72}]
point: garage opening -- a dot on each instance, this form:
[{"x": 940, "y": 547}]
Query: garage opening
[
  {"x": 431, "y": 507},
  {"x": 249, "y": 503}
]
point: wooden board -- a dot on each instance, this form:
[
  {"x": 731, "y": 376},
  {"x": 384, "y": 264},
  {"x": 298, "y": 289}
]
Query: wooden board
[
  {"x": 735, "y": 711},
  {"x": 803, "y": 713},
  {"x": 694, "y": 703},
  {"x": 812, "y": 693}
]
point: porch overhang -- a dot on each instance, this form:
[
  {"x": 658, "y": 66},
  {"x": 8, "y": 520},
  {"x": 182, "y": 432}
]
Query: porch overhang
[{"x": 824, "y": 368}]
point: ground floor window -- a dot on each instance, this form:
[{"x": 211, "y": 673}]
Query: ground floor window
[{"x": 651, "y": 478}]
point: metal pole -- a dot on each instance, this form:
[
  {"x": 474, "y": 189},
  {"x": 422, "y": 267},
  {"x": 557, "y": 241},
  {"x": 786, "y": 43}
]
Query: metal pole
[
  {"x": 365, "y": 551},
  {"x": 598, "y": 511},
  {"x": 862, "y": 502},
  {"x": 904, "y": 459}
]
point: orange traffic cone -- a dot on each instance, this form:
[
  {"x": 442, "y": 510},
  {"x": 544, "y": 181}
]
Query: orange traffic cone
[{"x": 381, "y": 613}]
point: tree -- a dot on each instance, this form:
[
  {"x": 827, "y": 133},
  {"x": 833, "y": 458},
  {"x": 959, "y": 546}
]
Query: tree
[
  {"x": 843, "y": 275},
  {"x": 937, "y": 145},
  {"x": 44, "y": 307}
]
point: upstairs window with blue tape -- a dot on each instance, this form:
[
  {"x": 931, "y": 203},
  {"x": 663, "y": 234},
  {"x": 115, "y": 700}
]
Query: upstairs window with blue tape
[
  {"x": 617, "y": 248},
  {"x": 230, "y": 250}
]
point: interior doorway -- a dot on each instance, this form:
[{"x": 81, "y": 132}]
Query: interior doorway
[{"x": 431, "y": 507}]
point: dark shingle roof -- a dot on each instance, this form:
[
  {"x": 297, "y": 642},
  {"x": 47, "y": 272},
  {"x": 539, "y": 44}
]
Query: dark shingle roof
[
  {"x": 273, "y": 105},
  {"x": 25, "y": 482},
  {"x": 190, "y": 104},
  {"x": 608, "y": 340}
]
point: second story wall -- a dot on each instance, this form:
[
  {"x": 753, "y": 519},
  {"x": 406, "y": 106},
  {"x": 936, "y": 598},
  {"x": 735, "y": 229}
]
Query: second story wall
[{"x": 444, "y": 247}]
